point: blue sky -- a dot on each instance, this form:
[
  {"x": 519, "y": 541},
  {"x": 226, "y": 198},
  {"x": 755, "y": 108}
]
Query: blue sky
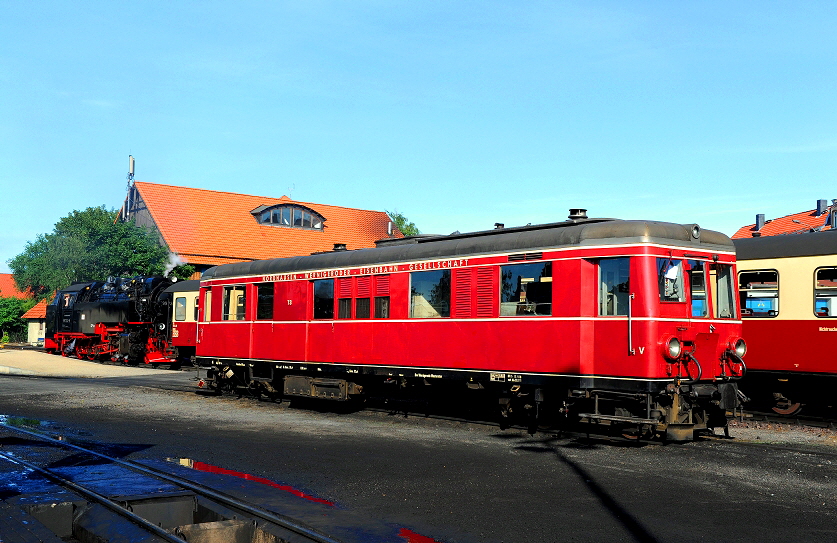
[{"x": 458, "y": 114}]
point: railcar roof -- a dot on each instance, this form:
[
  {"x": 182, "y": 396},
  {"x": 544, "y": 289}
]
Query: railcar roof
[
  {"x": 184, "y": 286},
  {"x": 574, "y": 233},
  {"x": 789, "y": 245}
]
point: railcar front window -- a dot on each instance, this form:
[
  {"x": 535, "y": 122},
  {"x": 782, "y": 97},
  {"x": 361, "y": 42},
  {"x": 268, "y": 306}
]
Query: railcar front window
[
  {"x": 758, "y": 292},
  {"x": 324, "y": 299},
  {"x": 235, "y": 303},
  {"x": 723, "y": 291},
  {"x": 180, "y": 309},
  {"x": 264, "y": 304},
  {"x": 526, "y": 289},
  {"x": 670, "y": 280},
  {"x": 614, "y": 286},
  {"x": 825, "y": 292},
  {"x": 430, "y": 294},
  {"x": 697, "y": 288}
]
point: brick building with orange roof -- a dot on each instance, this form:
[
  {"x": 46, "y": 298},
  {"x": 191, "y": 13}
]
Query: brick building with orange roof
[
  {"x": 206, "y": 228},
  {"x": 814, "y": 220},
  {"x": 37, "y": 322},
  {"x": 8, "y": 288}
]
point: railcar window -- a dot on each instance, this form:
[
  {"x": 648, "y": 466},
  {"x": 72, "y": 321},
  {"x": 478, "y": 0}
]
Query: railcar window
[
  {"x": 362, "y": 308},
  {"x": 382, "y": 307},
  {"x": 670, "y": 280},
  {"x": 235, "y": 303},
  {"x": 758, "y": 292},
  {"x": 207, "y": 305},
  {"x": 344, "y": 308},
  {"x": 324, "y": 299},
  {"x": 430, "y": 294},
  {"x": 722, "y": 293},
  {"x": 180, "y": 309},
  {"x": 697, "y": 288},
  {"x": 196, "y": 308},
  {"x": 264, "y": 302},
  {"x": 825, "y": 292},
  {"x": 614, "y": 286},
  {"x": 526, "y": 289}
]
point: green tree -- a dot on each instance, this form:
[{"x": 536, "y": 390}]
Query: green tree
[
  {"x": 11, "y": 309},
  {"x": 403, "y": 224},
  {"x": 89, "y": 245}
]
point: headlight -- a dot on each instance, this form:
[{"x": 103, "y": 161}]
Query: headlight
[
  {"x": 673, "y": 348},
  {"x": 740, "y": 348}
]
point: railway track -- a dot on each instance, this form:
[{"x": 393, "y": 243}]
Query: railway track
[{"x": 178, "y": 510}]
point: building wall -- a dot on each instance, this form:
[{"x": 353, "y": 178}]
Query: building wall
[{"x": 35, "y": 335}]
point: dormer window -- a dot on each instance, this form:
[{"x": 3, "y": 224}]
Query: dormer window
[{"x": 289, "y": 215}]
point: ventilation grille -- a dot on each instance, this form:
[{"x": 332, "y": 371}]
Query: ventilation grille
[
  {"x": 463, "y": 293},
  {"x": 485, "y": 292},
  {"x": 382, "y": 285},
  {"x": 364, "y": 286},
  {"x": 525, "y": 256}
]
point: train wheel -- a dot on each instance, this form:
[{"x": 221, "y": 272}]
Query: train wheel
[{"x": 786, "y": 407}]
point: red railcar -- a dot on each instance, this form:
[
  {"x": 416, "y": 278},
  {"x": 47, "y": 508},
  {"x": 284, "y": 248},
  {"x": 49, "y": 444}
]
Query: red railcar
[
  {"x": 629, "y": 322},
  {"x": 788, "y": 290}
]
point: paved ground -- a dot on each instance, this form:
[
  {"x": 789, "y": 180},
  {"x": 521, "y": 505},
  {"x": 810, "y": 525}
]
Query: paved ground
[
  {"x": 452, "y": 481},
  {"x": 40, "y": 364}
]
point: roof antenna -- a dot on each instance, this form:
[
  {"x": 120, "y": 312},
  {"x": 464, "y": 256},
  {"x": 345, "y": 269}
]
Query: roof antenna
[
  {"x": 128, "y": 203},
  {"x": 291, "y": 191}
]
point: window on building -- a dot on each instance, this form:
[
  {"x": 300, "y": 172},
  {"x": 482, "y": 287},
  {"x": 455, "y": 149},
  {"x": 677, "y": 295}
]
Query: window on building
[
  {"x": 825, "y": 292},
  {"x": 723, "y": 293},
  {"x": 670, "y": 280},
  {"x": 264, "y": 301},
  {"x": 180, "y": 309},
  {"x": 526, "y": 289},
  {"x": 324, "y": 299},
  {"x": 697, "y": 288},
  {"x": 758, "y": 292},
  {"x": 430, "y": 294},
  {"x": 614, "y": 286},
  {"x": 290, "y": 215},
  {"x": 235, "y": 303}
]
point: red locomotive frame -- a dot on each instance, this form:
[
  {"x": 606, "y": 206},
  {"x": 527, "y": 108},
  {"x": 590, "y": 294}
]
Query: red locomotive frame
[{"x": 655, "y": 351}]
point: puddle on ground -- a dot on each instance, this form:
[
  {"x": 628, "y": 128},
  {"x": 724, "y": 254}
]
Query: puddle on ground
[{"x": 209, "y": 468}]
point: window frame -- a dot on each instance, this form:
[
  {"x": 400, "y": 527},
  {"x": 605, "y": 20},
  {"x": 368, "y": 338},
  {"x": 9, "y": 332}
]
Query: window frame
[
  {"x": 227, "y": 306},
  {"x": 600, "y": 300},
  {"x": 287, "y": 215},
  {"x": 522, "y": 289},
  {"x": 742, "y": 291},
  {"x": 439, "y": 315},
  {"x": 817, "y": 288}
]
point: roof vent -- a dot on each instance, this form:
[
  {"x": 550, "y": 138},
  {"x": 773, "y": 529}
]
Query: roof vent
[
  {"x": 339, "y": 247},
  {"x": 498, "y": 225},
  {"x": 822, "y": 206},
  {"x": 577, "y": 214},
  {"x": 759, "y": 221}
]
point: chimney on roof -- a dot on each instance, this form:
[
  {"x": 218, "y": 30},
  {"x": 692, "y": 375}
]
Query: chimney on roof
[
  {"x": 759, "y": 221},
  {"x": 822, "y": 206},
  {"x": 576, "y": 214}
]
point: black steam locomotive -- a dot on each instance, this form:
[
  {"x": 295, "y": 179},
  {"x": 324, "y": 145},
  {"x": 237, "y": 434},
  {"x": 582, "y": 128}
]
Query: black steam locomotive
[{"x": 122, "y": 320}]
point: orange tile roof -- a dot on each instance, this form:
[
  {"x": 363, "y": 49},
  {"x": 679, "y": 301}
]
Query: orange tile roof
[
  {"x": 37, "y": 312},
  {"x": 790, "y": 224},
  {"x": 212, "y": 227},
  {"x": 8, "y": 288}
]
